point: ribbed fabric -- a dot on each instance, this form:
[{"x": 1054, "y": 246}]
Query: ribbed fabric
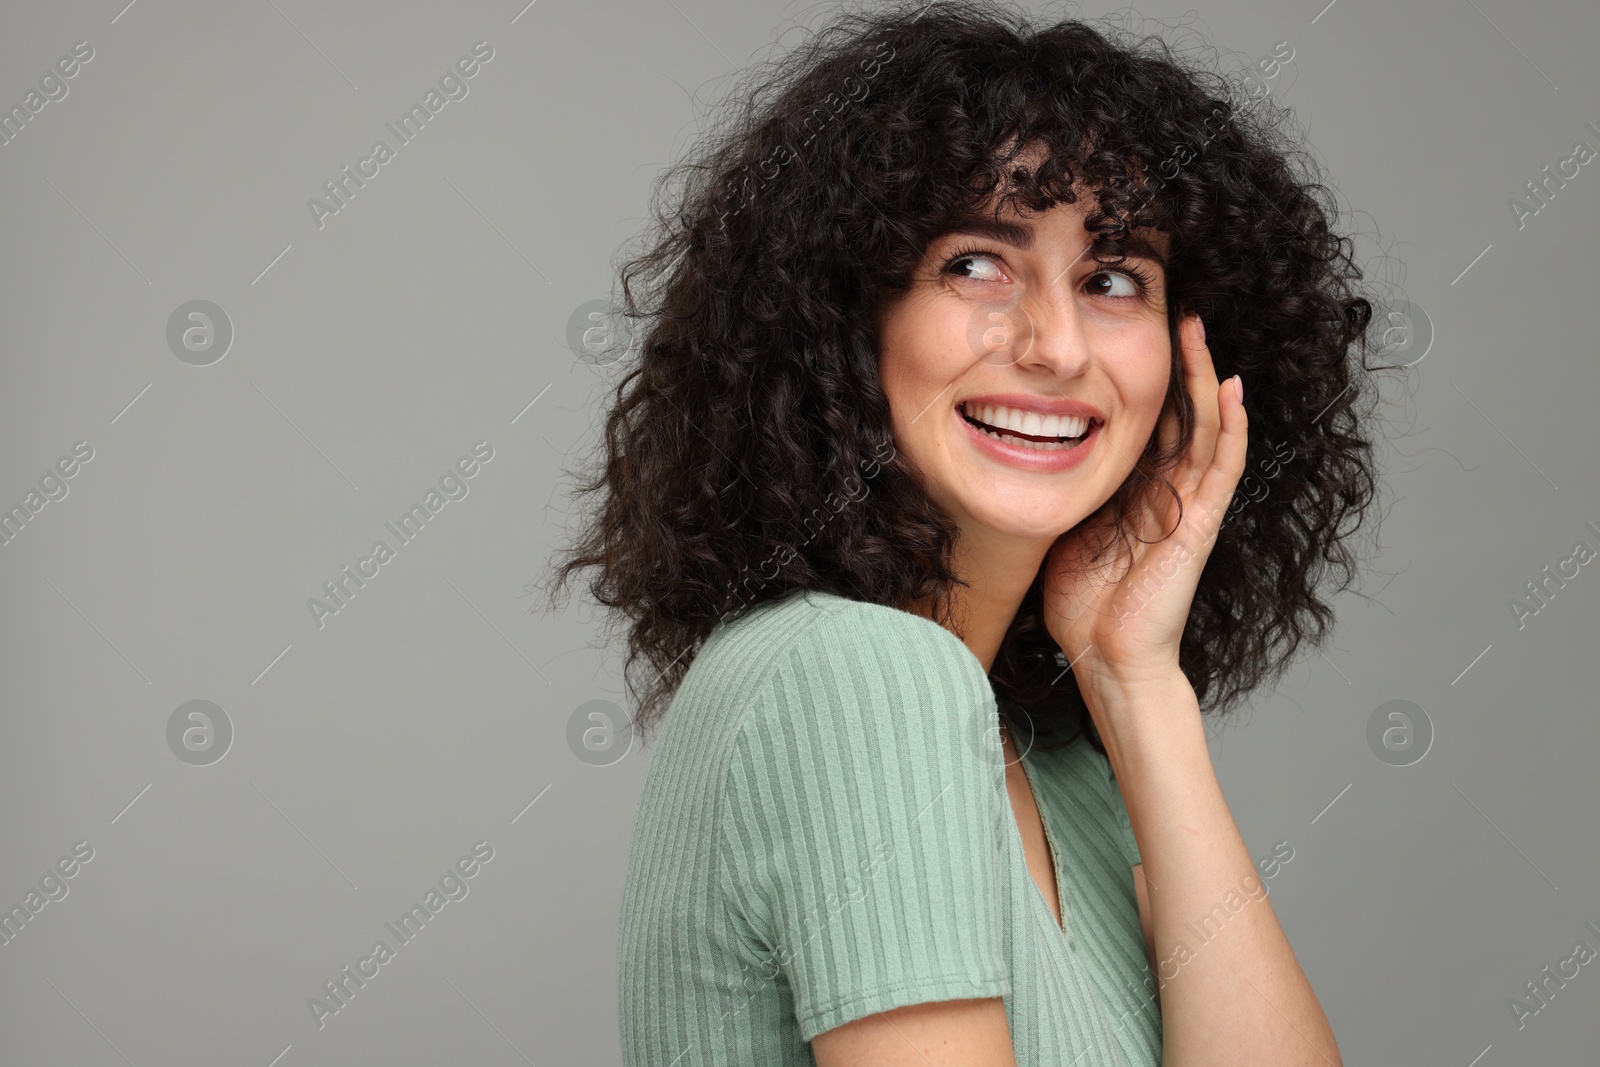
[{"x": 824, "y": 833}]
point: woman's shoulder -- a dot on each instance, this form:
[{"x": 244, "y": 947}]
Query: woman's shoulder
[
  {"x": 807, "y": 655},
  {"x": 821, "y": 664},
  {"x": 825, "y": 630},
  {"x": 788, "y": 685}
]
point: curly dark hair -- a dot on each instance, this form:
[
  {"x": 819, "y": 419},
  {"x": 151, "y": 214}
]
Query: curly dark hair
[{"x": 749, "y": 452}]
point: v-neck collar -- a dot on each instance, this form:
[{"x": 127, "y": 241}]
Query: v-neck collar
[{"x": 1050, "y": 842}]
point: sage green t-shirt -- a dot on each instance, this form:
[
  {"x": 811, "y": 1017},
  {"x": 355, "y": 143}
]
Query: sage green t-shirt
[{"x": 824, "y": 833}]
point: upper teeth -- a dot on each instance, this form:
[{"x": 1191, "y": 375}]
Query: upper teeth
[{"x": 1028, "y": 422}]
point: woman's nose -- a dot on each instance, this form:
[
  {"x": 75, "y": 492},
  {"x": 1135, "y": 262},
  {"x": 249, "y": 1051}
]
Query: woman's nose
[{"x": 1045, "y": 328}]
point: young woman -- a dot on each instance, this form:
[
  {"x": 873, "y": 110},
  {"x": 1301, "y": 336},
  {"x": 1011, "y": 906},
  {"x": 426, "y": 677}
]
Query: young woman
[{"x": 927, "y": 506}]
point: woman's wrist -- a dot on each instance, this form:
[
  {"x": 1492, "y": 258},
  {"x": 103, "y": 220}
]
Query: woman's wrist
[
  {"x": 1142, "y": 717},
  {"x": 1113, "y": 695}
]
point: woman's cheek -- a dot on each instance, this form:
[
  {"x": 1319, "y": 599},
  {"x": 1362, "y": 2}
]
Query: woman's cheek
[{"x": 1148, "y": 382}]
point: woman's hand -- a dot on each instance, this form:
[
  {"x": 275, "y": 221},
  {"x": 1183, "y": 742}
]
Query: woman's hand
[{"x": 1119, "y": 622}]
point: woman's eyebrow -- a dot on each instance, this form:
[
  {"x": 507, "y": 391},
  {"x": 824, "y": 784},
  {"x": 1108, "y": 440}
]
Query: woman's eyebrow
[
  {"x": 1135, "y": 246},
  {"x": 1008, "y": 232}
]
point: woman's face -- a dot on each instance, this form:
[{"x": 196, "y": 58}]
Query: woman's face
[{"x": 1023, "y": 331}]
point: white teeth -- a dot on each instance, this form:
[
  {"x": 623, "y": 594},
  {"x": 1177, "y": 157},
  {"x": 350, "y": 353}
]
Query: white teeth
[
  {"x": 1028, "y": 422},
  {"x": 1042, "y": 446}
]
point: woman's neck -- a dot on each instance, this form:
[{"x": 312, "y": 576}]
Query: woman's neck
[{"x": 998, "y": 577}]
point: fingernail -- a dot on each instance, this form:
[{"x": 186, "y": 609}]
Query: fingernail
[
  {"x": 1238, "y": 388},
  {"x": 1202, "y": 323}
]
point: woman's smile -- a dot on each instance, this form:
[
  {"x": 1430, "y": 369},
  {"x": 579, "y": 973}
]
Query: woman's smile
[{"x": 1029, "y": 434}]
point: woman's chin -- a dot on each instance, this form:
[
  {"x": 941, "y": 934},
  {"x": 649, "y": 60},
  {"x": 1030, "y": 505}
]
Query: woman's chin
[{"x": 1032, "y": 528}]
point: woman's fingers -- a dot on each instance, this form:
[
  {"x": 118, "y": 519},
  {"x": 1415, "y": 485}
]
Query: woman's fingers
[
  {"x": 1200, "y": 381},
  {"x": 1200, "y": 375},
  {"x": 1220, "y": 480},
  {"x": 1209, "y": 472}
]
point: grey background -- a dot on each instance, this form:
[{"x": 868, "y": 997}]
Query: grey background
[{"x": 435, "y": 710}]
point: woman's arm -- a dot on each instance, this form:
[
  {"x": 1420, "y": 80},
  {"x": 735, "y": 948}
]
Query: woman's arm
[
  {"x": 1240, "y": 993},
  {"x": 941, "y": 1033}
]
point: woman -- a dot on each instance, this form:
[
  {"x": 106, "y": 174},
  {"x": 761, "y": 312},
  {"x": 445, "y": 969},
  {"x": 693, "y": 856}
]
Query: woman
[{"x": 921, "y": 502}]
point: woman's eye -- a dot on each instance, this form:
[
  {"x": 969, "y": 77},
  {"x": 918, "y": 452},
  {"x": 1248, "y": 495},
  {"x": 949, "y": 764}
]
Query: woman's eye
[
  {"x": 986, "y": 274},
  {"x": 1112, "y": 283}
]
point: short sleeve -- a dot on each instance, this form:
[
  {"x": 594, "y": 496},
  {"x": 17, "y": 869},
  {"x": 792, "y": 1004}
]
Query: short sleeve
[{"x": 862, "y": 819}]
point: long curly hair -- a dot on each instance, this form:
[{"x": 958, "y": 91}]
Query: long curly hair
[{"x": 749, "y": 454}]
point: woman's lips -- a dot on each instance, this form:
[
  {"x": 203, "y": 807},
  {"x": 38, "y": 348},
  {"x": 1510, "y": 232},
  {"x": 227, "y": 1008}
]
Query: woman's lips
[{"x": 1024, "y": 458}]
